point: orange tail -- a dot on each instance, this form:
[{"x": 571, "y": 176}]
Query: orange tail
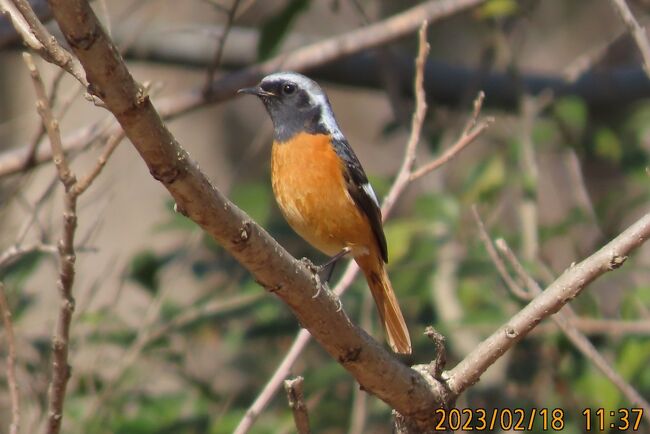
[{"x": 390, "y": 314}]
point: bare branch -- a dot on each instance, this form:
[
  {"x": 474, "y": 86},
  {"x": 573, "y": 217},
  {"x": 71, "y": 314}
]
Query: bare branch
[
  {"x": 60, "y": 340},
  {"x": 473, "y": 129},
  {"x": 39, "y": 39},
  {"x": 51, "y": 125},
  {"x": 21, "y": 25},
  {"x": 559, "y": 293},
  {"x": 613, "y": 327},
  {"x": 15, "y": 252},
  {"x": 221, "y": 43},
  {"x": 438, "y": 363},
  {"x": 637, "y": 32},
  {"x": 359, "y": 410},
  {"x": 404, "y": 174},
  {"x": 296, "y": 400},
  {"x": 67, "y": 255},
  {"x": 110, "y": 146},
  {"x": 517, "y": 290},
  {"x": 14, "y": 426},
  {"x": 563, "y": 319}
]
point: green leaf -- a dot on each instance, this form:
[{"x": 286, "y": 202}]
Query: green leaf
[
  {"x": 145, "y": 267},
  {"x": 608, "y": 145},
  {"x": 439, "y": 207},
  {"x": 497, "y": 9},
  {"x": 597, "y": 390},
  {"x": 275, "y": 29},
  {"x": 486, "y": 179},
  {"x": 255, "y": 199},
  {"x": 634, "y": 357},
  {"x": 399, "y": 234},
  {"x": 572, "y": 112}
]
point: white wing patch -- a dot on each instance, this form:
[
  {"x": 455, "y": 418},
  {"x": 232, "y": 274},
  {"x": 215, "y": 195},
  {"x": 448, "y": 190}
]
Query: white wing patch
[{"x": 370, "y": 192}]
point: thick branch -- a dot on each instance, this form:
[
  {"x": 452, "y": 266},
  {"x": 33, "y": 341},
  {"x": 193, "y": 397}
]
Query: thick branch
[
  {"x": 563, "y": 290},
  {"x": 405, "y": 389}
]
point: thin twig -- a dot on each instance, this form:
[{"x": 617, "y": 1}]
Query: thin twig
[
  {"x": 221, "y": 43},
  {"x": 48, "y": 47},
  {"x": 517, "y": 290},
  {"x": 14, "y": 426},
  {"x": 296, "y": 399},
  {"x": 562, "y": 319},
  {"x": 30, "y": 158},
  {"x": 60, "y": 340},
  {"x": 359, "y": 410},
  {"x": 67, "y": 255},
  {"x": 586, "y": 61},
  {"x": 473, "y": 128},
  {"x": 612, "y": 327},
  {"x": 637, "y": 32},
  {"x": 404, "y": 174},
  {"x": 21, "y": 25},
  {"x": 51, "y": 125},
  {"x": 111, "y": 144},
  {"x": 16, "y": 252},
  {"x": 558, "y": 294}
]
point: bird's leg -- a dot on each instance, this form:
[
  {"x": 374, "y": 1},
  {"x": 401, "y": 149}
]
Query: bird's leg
[{"x": 326, "y": 270}]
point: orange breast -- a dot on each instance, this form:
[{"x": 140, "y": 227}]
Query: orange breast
[{"x": 310, "y": 189}]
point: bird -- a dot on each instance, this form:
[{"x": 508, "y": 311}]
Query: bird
[{"x": 322, "y": 190}]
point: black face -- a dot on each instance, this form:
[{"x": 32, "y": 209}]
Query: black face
[{"x": 290, "y": 107}]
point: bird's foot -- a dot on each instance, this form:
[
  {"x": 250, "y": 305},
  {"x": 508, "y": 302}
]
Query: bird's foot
[{"x": 326, "y": 270}]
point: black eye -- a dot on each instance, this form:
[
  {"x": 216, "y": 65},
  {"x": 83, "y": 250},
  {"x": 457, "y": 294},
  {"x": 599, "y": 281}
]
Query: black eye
[{"x": 288, "y": 88}]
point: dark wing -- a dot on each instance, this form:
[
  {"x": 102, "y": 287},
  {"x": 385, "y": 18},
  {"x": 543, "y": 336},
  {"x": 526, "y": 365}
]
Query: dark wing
[{"x": 361, "y": 191}]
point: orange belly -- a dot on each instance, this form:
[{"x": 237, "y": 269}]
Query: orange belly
[{"x": 310, "y": 189}]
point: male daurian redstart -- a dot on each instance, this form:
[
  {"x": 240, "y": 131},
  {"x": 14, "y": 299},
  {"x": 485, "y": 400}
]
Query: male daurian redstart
[{"x": 323, "y": 191}]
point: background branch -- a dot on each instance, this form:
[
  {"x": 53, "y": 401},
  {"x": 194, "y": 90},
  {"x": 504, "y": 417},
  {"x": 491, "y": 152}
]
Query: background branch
[
  {"x": 5, "y": 312},
  {"x": 563, "y": 319},
  {"x": 637, "y": 32},
  {"x": 559, "y": 293}
]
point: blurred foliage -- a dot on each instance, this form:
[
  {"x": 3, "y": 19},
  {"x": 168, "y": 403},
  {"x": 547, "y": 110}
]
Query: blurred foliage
[
  {"x": 197, "y": 371},
  {"x": 275, "y": 29}
]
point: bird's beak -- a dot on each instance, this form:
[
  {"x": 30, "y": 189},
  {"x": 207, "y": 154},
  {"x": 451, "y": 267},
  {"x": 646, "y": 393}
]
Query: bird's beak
[{"x": 255, "y": 91}]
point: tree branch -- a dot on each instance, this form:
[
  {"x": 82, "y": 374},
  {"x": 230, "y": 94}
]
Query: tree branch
[
  {"x": 559, "y": 293},
  {"x": 473, "y": 129},
  {"x": 563, "y": 319},
  {"x": 409, "y": 391},
  {"x": 14, "y": 396},
  {"x": 637, "y": 32},
  {"x": 296, "y": 399},
  {"x": 37, "y": 37},
  {"x": 67, "y": 255},
  {"x": 60, "y": 340}
]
